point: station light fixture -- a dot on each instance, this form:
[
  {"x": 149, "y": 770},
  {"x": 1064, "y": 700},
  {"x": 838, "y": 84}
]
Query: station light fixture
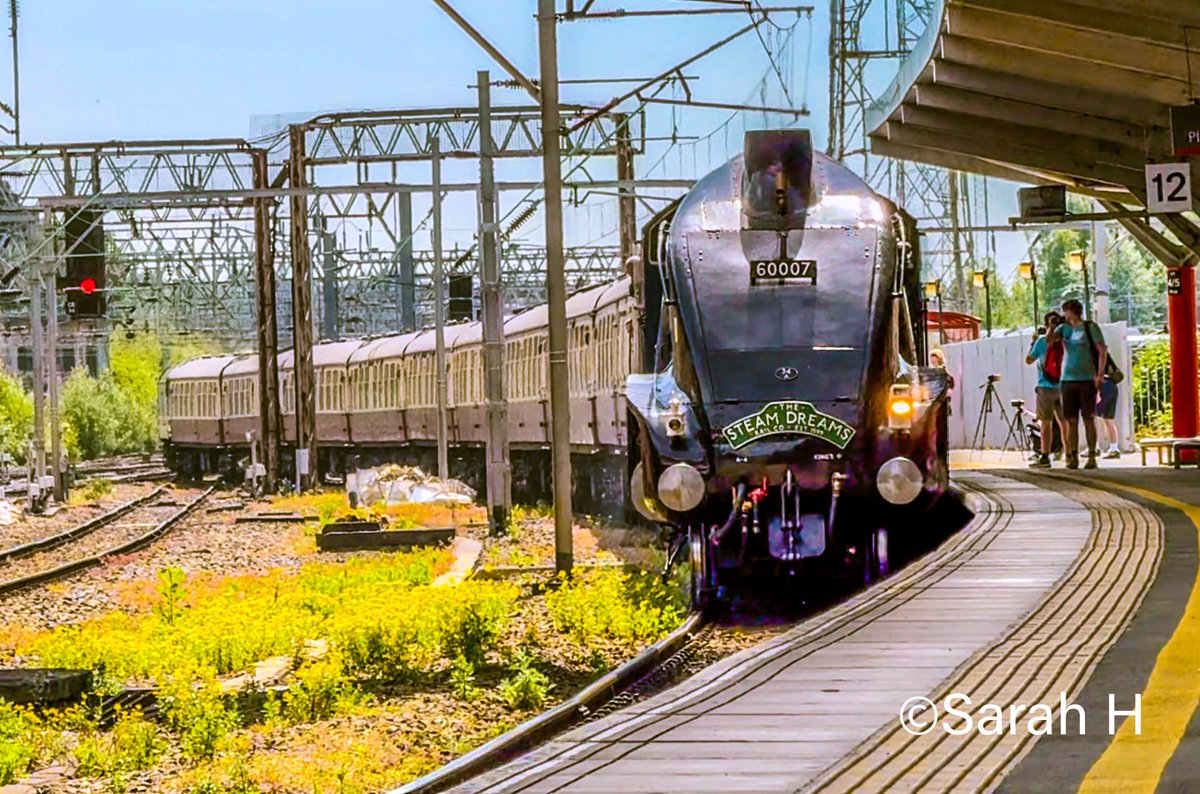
[
  {"x": 1077, "y": 262},
  {"x": 933, "y": 289},
  {"x": 1027, "y": 271},
  {"x": 980, "y": 279}
]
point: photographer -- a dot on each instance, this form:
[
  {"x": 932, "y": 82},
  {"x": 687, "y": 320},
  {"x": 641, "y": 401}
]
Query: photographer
[{"x": 1049, "y": 359}]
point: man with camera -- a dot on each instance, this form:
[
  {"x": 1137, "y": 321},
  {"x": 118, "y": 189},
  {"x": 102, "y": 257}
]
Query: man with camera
[
  {"x": 1049, "y": 360},
  {"x": 1085, "y": 359}
]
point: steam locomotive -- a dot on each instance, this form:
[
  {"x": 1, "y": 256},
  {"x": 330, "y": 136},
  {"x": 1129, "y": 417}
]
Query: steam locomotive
[{"x": 784, "y": 418}]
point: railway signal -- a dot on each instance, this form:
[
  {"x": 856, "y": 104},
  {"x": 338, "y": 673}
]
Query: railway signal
[
  {"x": 86, "y": 299},
  {"x": 83, "y": 283}
]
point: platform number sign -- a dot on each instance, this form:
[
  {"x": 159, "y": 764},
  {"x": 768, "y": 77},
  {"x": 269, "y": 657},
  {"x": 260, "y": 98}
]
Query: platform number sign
[{"x": 1169, "y": 187}]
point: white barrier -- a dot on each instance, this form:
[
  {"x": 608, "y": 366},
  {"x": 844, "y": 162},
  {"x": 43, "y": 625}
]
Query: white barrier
[{"x": 972, "y": 362}]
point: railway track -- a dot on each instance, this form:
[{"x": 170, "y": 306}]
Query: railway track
[
  {"x": 120, "y": 531},
  {"x": 113, "y": 471}
]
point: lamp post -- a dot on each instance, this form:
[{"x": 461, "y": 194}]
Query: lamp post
[
  {"x": 1029, "y": 273},
  {"x": 1077, "y": 261},
  {"x": 933, "y": 289},
  {"x": 981, "y": 280}
]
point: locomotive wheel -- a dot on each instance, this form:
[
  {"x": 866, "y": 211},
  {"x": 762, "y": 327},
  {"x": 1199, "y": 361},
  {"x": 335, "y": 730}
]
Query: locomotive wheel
[{"x": 878, "y": 564}]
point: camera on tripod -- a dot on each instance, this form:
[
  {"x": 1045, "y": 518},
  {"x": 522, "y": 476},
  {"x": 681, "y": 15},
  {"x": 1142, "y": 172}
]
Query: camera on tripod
[{"x": 991, "y": 401}]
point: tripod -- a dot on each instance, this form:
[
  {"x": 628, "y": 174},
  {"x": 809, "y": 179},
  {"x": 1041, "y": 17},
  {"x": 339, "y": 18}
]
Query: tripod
[
  {"x": 1019, "y": 432},
  {"x": 990, "y": 400}
]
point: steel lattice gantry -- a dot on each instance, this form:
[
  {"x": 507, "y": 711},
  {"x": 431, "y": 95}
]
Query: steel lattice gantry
[
  {"x": 185, "y": 236},
  {"x": 1071, "y": 92},
  {"x": 201, "y": 234},
  {"x": 866, "y": 36},
  {"x": 371, "y": 148}
]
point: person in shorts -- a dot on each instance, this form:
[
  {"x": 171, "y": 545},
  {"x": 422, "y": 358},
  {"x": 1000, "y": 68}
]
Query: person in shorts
[
  {"x": 1084, "y": 357},
  {"x": 1049, "y": 397},
  {"x": 1106, "y": 413}
]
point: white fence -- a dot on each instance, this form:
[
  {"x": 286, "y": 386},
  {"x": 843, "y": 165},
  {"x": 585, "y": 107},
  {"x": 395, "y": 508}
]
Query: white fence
[{"x": 972, "y": 362}]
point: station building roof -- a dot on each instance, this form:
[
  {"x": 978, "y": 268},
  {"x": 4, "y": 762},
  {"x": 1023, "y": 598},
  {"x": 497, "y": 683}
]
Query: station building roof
[{"x": 1073, "y": 92}]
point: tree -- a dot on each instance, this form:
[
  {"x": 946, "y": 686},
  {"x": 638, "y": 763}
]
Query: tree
[
  {"x": 1137, "y": 286},
  {"x": 135, "y": 366},
  {"x": 93, "y": 410},
  {"x": 16, "y": 417}
]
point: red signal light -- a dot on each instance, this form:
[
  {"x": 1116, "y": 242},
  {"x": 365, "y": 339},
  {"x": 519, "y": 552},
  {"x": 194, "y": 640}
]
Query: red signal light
[{"x": 88, "y": 285}]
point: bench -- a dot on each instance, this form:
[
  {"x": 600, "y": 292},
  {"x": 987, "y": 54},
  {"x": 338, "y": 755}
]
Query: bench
[
  {"x": 1172, "y": 446},
  {"x": 1186, "y": 443}
]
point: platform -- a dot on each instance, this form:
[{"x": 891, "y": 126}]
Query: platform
[{"x": 1063, "y": 585}]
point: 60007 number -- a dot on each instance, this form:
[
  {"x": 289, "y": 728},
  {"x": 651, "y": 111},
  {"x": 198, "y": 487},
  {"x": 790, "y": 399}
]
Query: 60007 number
[{"x": 783, "y": 270}]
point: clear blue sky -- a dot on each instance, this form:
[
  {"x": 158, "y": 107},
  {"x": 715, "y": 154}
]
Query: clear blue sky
[{"x": 150, "y": 69}]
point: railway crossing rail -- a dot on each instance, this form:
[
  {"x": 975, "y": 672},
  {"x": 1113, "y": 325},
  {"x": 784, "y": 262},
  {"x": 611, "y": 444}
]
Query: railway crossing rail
[{"x": 1017, "y": 607}]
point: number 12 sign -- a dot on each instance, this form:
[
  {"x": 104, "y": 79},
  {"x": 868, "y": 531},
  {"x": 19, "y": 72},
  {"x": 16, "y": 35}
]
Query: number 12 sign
[{"x": 1169, "y": 187}]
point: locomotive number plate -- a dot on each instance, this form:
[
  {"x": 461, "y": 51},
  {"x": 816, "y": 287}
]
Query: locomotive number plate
[{"x": 778, "y": 271}]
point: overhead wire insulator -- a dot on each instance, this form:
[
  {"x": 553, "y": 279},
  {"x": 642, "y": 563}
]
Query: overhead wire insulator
[{"x": 522, "y": 217}]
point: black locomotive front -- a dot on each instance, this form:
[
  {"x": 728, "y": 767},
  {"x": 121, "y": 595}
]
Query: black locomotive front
[{"x": 785, "y": 409}]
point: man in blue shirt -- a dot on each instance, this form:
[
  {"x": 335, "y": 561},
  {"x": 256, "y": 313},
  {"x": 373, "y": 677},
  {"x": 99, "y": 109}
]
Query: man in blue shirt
[
  {"x": 1084, "y": 360},
  {"x": 1049, "y": 397}
]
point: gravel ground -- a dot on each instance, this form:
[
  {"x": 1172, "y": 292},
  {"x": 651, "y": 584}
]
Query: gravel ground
[
  {"x": 203, "y": 541},
  {"x": 135, "y": 523},
  {"x": 593, "y": 543},
  {"x": 26, "y": 528}
]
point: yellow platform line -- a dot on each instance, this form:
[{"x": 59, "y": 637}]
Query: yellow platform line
[{"x": 1133, "y": 762}]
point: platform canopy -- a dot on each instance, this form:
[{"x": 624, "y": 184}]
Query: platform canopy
[{"x": 1073, "y": 92}]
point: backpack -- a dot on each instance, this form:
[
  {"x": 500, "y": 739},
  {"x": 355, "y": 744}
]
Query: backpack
[
  {"x": 1111, "y": 370},
  {"x": 1053, "y": 365}
]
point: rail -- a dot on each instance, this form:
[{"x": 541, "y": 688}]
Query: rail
[
  {"x": 86, "y": 528},
  {"x": 557, "y": 719},
  {"x": 74, "y": 566}
]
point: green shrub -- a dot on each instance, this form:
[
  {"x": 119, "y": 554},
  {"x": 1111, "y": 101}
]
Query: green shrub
[
  {"x": 615, "y": 604},
  {"x": 171, "y": 587},
  {"x": 318, "y": 692},
  {"x": 116, "y": 412},
  {"x": 528, "y": 687},
  {"x": 133, "y": 743},
  {"x": 474, "y": 630},
  {"x": 1151, "y": 379},
  {"x": 16, "y": 417},
  {"x": 462, "y": 679},
  {"x": 229, "y": 624},
  {"x": 198, "y": 713},
  {"x": 17, "y": 726},
  {"x": 94, "y": 489},
  {"x": 392, "y": 636},
  {"x": 94, "y": 410}
]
